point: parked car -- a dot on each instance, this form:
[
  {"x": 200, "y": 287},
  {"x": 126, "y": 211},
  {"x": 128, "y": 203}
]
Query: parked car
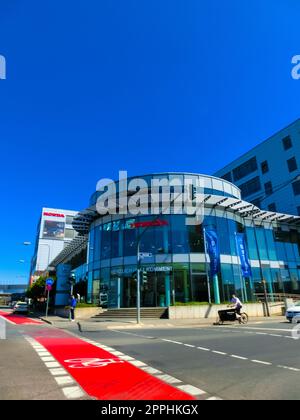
[
  {"x": 21, "y": 307},
  {"x": 292, "y": 312}
]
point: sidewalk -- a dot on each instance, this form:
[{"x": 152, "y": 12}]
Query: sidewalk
[{"x": 96, "y": 324}]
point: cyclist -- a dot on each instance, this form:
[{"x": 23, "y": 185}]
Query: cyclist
[{"x": 237, "y": 305}]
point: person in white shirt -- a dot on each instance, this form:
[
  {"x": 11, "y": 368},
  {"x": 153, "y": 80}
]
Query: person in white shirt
[{"x": 237, "y": 305}]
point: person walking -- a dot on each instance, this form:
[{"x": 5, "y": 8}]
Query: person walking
[{"x": 73, "y": 303}]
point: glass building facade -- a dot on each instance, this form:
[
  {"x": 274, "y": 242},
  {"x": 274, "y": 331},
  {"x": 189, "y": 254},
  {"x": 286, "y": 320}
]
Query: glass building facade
[{"x": 176, "y": 264}]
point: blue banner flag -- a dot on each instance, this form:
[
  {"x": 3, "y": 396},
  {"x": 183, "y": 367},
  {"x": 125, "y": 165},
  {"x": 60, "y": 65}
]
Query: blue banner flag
[
  {"x": 213, "y": 250},
  {"x": 243, "y": 254}
]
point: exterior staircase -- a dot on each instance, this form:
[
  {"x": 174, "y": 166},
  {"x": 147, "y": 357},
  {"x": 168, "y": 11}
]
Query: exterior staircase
[{"x": 130, "y": 313}]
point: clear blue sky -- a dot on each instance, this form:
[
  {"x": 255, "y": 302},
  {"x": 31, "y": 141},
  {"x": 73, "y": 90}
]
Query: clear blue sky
[{"x": 155, "y": 85}]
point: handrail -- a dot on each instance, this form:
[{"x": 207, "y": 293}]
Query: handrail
[{"x": 276, "y": 296}]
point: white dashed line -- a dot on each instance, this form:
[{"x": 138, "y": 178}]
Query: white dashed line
[
  {"x": 289, "y": 368},
  {"x": 219, "y": 352},
  {"x": 151, "y": 370},
  {"x": 60, "y": 375},
  {"x": 117, "y": 353},
  {"x": 137, "y": 363},
  {"x": 64, "y": 380},
  {"x": 192, "y": 390},
  {"x": 48, "y": 359},
  {"x": 239, "y": 357},
  {"x": 189, "y": 345},
  {"x": 57, "y": 372},
  {"x": 169, "y": 379},
  {"x": 203, "y": 348},
  {"x": 261, "y": 362},
  {"x": 126, "y": 358},
  {"x": 52, "y": 364},
  {"x": 73, "y": 392},
  {"x": 171, "y": 341}
]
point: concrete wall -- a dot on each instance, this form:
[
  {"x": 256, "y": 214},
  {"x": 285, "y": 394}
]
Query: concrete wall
[
  {"x": 80, "y": 313},
  {"x": 205, "y": 311}
]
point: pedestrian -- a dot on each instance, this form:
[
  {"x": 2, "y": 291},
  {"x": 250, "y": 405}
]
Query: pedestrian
[{"x": 73, "y": 304}]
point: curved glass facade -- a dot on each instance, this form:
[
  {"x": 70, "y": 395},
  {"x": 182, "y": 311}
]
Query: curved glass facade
[{"x": 176, "y": 265}]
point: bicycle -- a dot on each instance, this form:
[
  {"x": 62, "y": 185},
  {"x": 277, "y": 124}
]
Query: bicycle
[{"x": 229, "y": 315}]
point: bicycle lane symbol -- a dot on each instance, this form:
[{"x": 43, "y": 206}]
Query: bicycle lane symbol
[{"x": 94, "y": 362}]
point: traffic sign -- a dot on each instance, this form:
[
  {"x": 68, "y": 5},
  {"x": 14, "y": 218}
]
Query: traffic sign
[
  {"x": 48, "y": 287},
  {"x": 49, "y": 282}
]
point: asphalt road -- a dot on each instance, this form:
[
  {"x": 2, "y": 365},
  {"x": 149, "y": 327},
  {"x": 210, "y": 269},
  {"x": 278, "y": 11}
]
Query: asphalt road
[
  {"x": 257, "y": 361},
  {"x": 232, "y": 362}
]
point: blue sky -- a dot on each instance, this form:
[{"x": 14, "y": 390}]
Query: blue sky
[{"x": 94, "y": 87}]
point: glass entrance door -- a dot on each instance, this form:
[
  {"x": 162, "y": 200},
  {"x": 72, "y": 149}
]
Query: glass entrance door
[
  {"x": 128, "y": 297},
  {"x": 199, "y": 287}
]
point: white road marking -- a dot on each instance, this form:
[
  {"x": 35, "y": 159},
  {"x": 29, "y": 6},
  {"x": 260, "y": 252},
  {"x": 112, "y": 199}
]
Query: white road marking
[
  {"x": 192, "y": 390},
  {"x": 203, "y": 348},
  {"x": 189, "y": 345},
  {"x": 239, "y": 357},
  {"x": 171, "y": 341},
  {"x": 64, "y": 380},
  {"x": 117, "y": 353},
  {"x": 52, "y": 364},
  {"x": 169, "y": 379},
  {"x": 219, "y": 352},
  {"x": 58, "y": 372},
  {"x": 60, "y": 375},
  {"x": 73, "y": 392},
  {"x": 289, "y": 368},
  {"x": 261, "y": 362},
  {"x": 137, "y": 363},
  {"x": 126, "y": 358},
  {"x": 48, "y": 359},
  {"x": 264, "y": 329},
  {"x": 151, "y": 370}
]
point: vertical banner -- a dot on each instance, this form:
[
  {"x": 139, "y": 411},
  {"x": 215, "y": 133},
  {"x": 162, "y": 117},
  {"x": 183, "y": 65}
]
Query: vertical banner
[
  {"x": 243, "y": 254},
  {"x": 213, "y": 250}
]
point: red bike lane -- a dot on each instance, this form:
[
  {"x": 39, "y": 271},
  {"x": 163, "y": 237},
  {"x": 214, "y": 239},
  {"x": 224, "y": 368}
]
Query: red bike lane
[
  {"x": 18, "y": 319},
  {"x": 102, "y": 375}
]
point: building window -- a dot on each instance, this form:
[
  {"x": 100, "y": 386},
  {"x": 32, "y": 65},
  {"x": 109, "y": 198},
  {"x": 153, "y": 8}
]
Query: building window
[
  {"x": 287, "y": 143},
  {"x": 268, "y": 188},
  {"x": 69, "y": 220},
  {"x": 245, "y": 169},
  {"x": 296, "y": 187},
  {"x": 69, "y": 234},
  {"x": 292, "y": 164},
  {"x": 250, "y": 187},
  {"x": 227, "y": 177},
  {"x": 265, "y": 167},
  {"x": 272, "y": 207},
  {"x": 53, "y": 230}
]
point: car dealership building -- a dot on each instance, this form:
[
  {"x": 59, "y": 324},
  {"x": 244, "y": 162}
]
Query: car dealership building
[{"x": 236, "y": 247}]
